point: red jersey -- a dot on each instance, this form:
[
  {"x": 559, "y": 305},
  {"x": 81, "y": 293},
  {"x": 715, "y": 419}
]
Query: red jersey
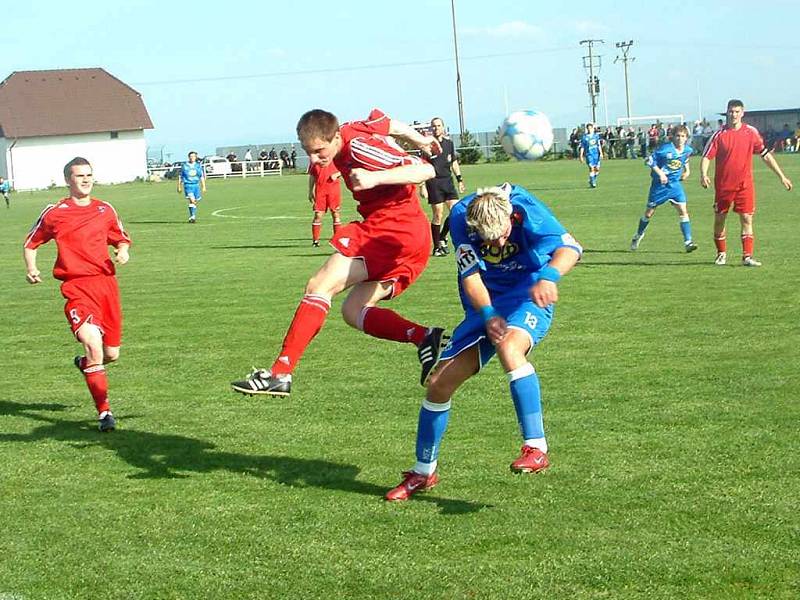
[
  {"x": 323, "y": 176},
  {"x": 82, "y": 234},
  {"x": 366, "y": 145},
  {"x": 734, "y": 149}
]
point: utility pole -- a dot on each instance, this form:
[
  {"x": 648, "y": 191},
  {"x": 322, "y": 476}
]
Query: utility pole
[
  {"x": 592, "y": 64},
  {"x": 458, "y": 73},
  {"x": 626, "y": 47}
]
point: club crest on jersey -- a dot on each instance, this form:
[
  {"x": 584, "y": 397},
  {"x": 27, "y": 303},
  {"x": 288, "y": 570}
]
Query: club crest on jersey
[
  {"x": 674, "y": 164},
  {"x": 494, "y": 255},
  {"x": 101, "y": 208}
]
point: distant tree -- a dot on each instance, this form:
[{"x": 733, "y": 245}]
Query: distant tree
[
  {"x": 469, "y": 151},
  {"x": 498, "y": 154}
]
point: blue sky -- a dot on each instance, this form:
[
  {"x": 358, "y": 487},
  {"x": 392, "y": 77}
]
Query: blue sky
[{"x": 236, "y": 73}]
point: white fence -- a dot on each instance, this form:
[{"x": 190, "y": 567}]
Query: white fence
[{"x": 225, "y": 170}]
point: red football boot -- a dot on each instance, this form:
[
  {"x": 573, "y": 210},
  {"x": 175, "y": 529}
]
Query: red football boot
[
  {"x": 412, "y": 483},
  {"x": 532, "y": 460}
]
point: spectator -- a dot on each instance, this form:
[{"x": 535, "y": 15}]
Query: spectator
[
  {"x": 787, "y": 139},
  {"x": 263, "y": 157},
  {"x": 630, "y": 142},
  {"x": 293, "y": 158},
  {"x": 273, "y": 159},
  {"x": 574, "y": 141},
  {"x": 797, "y": 138},
  {"x": 611, "y": 142},
  {"x": 248, "y": 156},
  {"x": 641, "y": 137},
  {"x": 652, "y": 137},
  {"x": 284, "y": 155}
]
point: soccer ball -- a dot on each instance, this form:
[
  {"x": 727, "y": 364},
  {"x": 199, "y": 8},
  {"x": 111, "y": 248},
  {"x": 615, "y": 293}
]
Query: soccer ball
[{"x": 526, "y": 134}]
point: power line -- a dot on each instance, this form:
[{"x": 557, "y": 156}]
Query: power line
[
  {"x": 626, "y": 47},
  {"x": 352, "y": 68}
]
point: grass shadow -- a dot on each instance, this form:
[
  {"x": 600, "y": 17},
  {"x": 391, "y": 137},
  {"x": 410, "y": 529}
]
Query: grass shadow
[{"x": 168, "y": 456}]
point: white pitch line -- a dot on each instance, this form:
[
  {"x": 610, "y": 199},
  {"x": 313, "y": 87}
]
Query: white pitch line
[{"x": 218, "y": 213}]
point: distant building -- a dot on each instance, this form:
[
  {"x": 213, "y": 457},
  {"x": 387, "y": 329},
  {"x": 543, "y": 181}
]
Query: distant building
[
  {"x": 49, "y": 117},
  {"x": 774, "y": 119}
]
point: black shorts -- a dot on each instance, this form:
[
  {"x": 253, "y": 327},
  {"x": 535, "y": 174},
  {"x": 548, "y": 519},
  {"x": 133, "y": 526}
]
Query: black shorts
[{"x": 441, "y": 189}]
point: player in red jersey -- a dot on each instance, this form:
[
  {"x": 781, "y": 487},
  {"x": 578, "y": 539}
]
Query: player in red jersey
[
  {"x": 733, "y": 146},
  {"x": 376, "y": 258},
  {"x": 325, "y": 194},
  {"x": 83, "y": 228}
]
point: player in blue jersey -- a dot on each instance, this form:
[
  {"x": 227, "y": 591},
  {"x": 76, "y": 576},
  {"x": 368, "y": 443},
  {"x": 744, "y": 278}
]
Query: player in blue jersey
[
  {"x": 669, "y": 165},
  {"x": 5, "y": 190},
  {"x": 510, "y": 252},
  {"x": 192, "y": 182},
  {"x": 591, "y": 153}
]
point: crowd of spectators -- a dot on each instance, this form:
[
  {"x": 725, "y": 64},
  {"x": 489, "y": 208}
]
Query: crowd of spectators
[
  {"x": 638, "y": 142},
  {"x": 271, "y": 159}
]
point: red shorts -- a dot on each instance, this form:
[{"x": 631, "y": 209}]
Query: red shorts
[
  {"x": 94, "y": 300},
  {"x": 395, "y": 248},
  {"x": 743, "y": 201},
  {"x": 330, "y": 199}
]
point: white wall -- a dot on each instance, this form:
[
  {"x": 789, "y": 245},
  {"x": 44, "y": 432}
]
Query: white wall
[{"x": 36, "y": 163}]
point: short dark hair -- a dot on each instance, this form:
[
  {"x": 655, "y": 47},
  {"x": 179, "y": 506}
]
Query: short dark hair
[
  {"x": 192, "y": 152},
  {"x": 735, "y": 102},
  {"x": 75, "y": 162},
  {"x": 680, "y": 129},
  {"x": 317, "y": 124}
]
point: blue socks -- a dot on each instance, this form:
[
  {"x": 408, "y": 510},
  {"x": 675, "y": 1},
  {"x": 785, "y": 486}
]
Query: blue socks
[
  {"x": 643, "y": 223},
  {"x": 527, "y": 398},
  {"x": 432, "y": 424},
  {"x": 192, "y": 211},
  {"x": 686, "y": 229}
]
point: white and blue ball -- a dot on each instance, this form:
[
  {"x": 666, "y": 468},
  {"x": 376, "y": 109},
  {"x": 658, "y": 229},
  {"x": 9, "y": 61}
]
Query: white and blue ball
[{"x": 526, "y": 134}]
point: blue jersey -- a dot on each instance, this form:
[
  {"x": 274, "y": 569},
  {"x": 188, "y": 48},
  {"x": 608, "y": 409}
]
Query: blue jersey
[
  {"x": 590, "y": 142},
  {"x": 668, "y": 159},
  {"x": 191, "y": 173},
  {"x": 509, "y": 271},
  {"x": 5, "y": 187}
]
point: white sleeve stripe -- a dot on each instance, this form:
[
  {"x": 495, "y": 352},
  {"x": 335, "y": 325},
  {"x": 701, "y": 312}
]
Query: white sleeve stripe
[
  {"x": 708, "y": 143},
  {"x": 376, "y": 154},
  {"x": 119, "y": 222},
  {"x": 378, "y": 120},
  {"x": 38, "y": 223}
]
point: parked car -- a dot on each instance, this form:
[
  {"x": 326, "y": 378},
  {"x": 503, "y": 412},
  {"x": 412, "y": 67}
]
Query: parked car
[
  {"x": 173, "y": 171},
  {"x": 216, "y": 165}
]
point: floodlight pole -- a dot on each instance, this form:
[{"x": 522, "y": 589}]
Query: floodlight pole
[
  {"x": 626, "y": 47},
  {"x": 458, "y": 73}
]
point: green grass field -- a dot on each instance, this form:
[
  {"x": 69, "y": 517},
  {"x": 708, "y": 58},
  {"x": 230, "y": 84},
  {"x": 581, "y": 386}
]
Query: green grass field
[{"x": 671, "y": 405}]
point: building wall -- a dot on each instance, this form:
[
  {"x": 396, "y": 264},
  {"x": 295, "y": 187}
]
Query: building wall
[{"x": 37, "y": 163}]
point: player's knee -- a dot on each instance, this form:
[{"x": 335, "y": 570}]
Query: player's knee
[
  {"x": 351, "y": 313},
  {"x": 110, "y": 354}
]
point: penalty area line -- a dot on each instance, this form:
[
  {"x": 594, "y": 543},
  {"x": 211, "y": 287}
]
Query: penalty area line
[{"x": 218, "y": 213}]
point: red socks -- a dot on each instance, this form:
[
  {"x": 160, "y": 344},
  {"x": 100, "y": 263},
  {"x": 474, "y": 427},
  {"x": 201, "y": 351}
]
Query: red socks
[
  {"x": 388, "y": 325},
  {"x": 721, "y": 244},
  {"x": 316, "y": 229},
  {"x": 97, "y": 382},
  {"x": 747, "y": 244},
  {"x": 308, "y": 320}
]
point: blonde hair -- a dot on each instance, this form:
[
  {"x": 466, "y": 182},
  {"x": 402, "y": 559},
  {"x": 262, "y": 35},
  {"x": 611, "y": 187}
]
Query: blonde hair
[{"x": 490, "y": 211}]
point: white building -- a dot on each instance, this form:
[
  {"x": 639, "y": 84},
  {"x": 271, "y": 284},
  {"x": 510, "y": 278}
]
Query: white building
[{"x": 49, "y": 117}]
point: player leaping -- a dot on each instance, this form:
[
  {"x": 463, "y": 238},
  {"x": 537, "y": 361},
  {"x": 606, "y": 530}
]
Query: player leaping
[
  {"x": 378, "y": 258},
  {"x": 669, "y": 165}
]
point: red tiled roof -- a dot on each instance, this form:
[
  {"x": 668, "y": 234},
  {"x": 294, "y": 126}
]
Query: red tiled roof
[{"x": 68, "y": 101}]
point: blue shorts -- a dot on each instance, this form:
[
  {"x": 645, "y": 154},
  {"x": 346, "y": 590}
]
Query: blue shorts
[
  {"x": 592, "y": 161},
  {"x": 519, "y": 313},
  {"x": 671, "y": 192},
  {"x": 192, "y": 191}
]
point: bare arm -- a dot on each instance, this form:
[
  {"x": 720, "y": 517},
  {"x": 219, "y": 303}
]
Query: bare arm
[
  {"x": 704, "y": 180},
  {"x": 428, "y": 145},
  {"x": 122, "y": 255},
  {"x": 456, "y": 168},
  {"x": 775, "y": 168},
  {"x": 362, "y": 179},
  {"x": 311, "y": 186},
  {"x": 686, "y": 171},
  {"x": 32, "y": 275},
  {"x": 478, "y": 295},
  {"x": 545, "y": 291}
]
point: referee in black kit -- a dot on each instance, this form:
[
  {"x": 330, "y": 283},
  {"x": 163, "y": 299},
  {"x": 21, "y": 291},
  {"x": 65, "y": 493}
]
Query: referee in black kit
[{"x": 440, "y": 189}]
